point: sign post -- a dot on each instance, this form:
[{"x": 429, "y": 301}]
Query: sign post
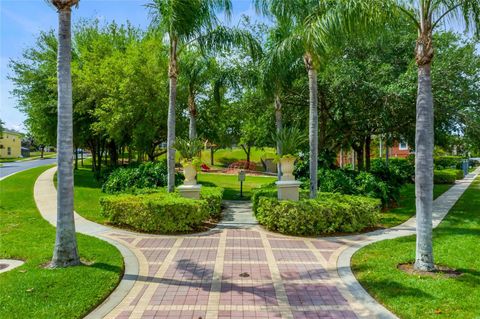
[{"x": 241, "y": 179}]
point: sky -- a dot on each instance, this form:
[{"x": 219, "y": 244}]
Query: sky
[{"x": 22, "y": 20}]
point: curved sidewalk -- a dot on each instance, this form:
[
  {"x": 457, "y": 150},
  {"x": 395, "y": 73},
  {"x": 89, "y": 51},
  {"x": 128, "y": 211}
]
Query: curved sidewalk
[{"x": 237, "y": 270}]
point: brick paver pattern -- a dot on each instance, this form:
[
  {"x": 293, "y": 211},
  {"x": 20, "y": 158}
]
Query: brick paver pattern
[{"x": 235, "y": 274}]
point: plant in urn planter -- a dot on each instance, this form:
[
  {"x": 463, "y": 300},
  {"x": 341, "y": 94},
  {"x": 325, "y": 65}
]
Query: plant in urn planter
[
  {"x": 189, "y": 151},
  {"x": 291, "y": 139}
]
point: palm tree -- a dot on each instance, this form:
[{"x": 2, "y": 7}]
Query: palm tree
[
  {"x": 277, "y": 75},
  {"x": 315, "y": 24},
  {"x": 427, "y": 15},
  {"x": 65, "y": 252},
  {"x": 188, "y": 22},
  {"x": 197, "y": 73}
]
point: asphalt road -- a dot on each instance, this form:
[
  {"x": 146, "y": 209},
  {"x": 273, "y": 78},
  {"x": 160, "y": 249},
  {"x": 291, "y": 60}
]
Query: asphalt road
[{"x": 15, "y": 167}]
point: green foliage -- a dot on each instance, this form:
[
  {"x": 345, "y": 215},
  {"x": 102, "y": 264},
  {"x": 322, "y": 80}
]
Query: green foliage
[
  {"x": 446, "y": 176},
  {"x": 188, "y": 149},
  {"x": 291, "y": 140},
  {"x": 326, "y": 214},
  {"x": 213, "y": 196},
  {"x": 356, "y": 183},
  {"x": 156, "y": 211},
  {"x": 147, "y": 175},
  {"x": 443, "y": 162}
]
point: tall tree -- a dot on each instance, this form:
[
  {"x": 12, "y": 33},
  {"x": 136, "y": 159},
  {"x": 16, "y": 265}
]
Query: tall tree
[
  {"x": 65, "y": 252},
  {"x": 188, "y": 22},
  {"x": 315, "y": 26},
  {"x": 428, "y": 15}
]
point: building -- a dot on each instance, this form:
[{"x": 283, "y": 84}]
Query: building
[
  {"x": 398, "y": 150},
  {"x": 10, "y": 144}
]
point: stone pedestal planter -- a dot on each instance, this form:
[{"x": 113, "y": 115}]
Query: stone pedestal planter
[
  {"x": 288, "y": 164},
  {"x": 288, "y": 190},
  {"x": 190, "y": 191},
  {"x": 189, "y": 171}
]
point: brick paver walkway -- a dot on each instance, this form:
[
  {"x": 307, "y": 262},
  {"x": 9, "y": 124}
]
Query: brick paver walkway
[{"x": 238, "y": 270}]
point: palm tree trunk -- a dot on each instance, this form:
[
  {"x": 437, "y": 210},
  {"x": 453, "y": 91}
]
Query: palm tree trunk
[
  {"x": 424, "y": 170},
  {"x": 278, "y": 125},
  {"x": 65, "y": 252},
  {"x": 192, "y": 128},
  {"x": 172, "y": 73},
  {"x": 313, "y": 124},
  {"x": 368, "y": 152}
]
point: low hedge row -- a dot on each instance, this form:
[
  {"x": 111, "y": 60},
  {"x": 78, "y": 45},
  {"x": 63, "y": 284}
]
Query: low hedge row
[
  {"x": 447, "y": 176},
  {"x": 162, "y": 212},
  {"x": 327, "y": 213}
]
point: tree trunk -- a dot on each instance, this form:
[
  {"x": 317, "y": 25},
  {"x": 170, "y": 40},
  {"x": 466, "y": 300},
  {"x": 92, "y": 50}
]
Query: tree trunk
[
  {"x": 42, "y": 149},
  {"x": 212, "y": 159},
  {"x": 192, "y": 112},
  {"x": 313, "y": 124},
  {"x": 424, "y": 170},
  {"x": 65, "y": 252},
  {"x": 278, "y": 125},
  {"x": 81, "y": 154},
  {"x": 360, "y": 161},
  {"x": 173, "y": 74},
  {"x": 368, "y": 144}
]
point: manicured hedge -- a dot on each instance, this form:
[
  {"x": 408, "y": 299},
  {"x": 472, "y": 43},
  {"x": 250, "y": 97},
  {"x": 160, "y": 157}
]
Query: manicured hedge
[
  {"x": 447, "y": 176},
  {"x": 307, "y": 217},
  {"x": 162, "y": 212}
]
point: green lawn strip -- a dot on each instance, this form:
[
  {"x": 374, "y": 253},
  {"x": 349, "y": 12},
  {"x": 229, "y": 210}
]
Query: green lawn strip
[
  {"x": 406, "y": 205},
  {"x": 31, "y": 291},
  {"x": 231, "y": 184},
  {"x": 87, "y": 193},
  {"x": 456, "y": 245}
]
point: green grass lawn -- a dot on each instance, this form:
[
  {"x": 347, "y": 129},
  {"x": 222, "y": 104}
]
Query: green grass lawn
[
  {"x": 32, "y": 291},
  {"x": 232, "y": 186},
  {"x": 237, "y": 154},
  {"x": 456, "y": 245},
  {"x": 406, "y": 205}
]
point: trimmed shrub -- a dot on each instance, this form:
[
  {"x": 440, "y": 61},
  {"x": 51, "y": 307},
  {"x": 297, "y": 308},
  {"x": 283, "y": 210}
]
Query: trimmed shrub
[
  {"x": 444, "y": 162},
  {"x": 156, "y": 211},
  {"x": 213, "y": 196},
  {"x": 445, "y": 176},
  {"x": 146, "y": 175},
  {"x": 326, "y": 214}
]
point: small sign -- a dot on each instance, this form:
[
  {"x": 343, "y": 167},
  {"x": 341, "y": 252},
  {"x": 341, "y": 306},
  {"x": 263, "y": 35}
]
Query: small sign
[{"x": 241, "y": 176}]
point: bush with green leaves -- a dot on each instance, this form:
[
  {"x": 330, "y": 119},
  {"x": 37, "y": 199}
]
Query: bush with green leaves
[
  {"x": 350, "y": 182},
  {"x": 398, "y": 171},
  {"x": 311, "y": 217},
  {"x": 156, "y": 211},
  {"x": 445, "y": 162},
  {"x": 444, "y": 176},
  {"x": 146, "y": 175},
  {"x": 447, "y": 176}
]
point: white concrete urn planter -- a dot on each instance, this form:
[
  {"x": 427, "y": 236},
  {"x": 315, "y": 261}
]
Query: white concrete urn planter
[
  {"x": 288, "y": 164},
  {"x": 189, "y": 171}
]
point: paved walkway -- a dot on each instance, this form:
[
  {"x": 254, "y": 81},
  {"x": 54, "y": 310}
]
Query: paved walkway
[{"x": 237, "y": 270}]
